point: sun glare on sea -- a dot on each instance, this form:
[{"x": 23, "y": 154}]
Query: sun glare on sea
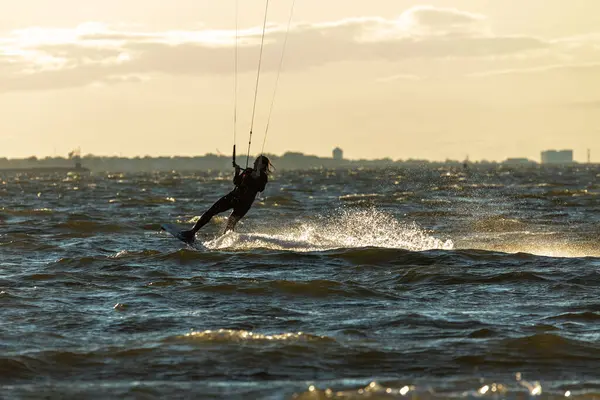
[{"x": 555, "y": 250}]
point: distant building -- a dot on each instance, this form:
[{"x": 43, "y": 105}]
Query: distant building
[
  {"x": 557, "y": 157},
  {"x": 338, "y": 154},
  {"x": 519, "y": 161},
  {"x": 75, "y": 155}
]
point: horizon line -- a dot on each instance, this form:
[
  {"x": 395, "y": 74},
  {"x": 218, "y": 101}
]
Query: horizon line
[{"x": 467, "y": 160}]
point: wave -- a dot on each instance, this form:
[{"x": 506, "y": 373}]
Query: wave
[
  {"x": 284, "y": 199},
  {"x": 466, "y": 389},
  {"x": 135, "y": 254},
  {"x": 498, "y": 224},
  {"x": 313, "y": 289},
  {"x": 549, "y": 347},
  {"x": 86, "y": 226},
  {"x": 143, "y": 202},
  {"x": 343, "y": 230},
  {"x": 242, "y": 336},
  {"x": 25, "y": 212},
  {"x": 538, "y": 244},
  {"x": 587, "y": 316},
  {"x": 416, "y": 277}
]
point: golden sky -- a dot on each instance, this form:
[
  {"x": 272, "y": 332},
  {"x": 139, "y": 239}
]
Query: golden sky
[{"x": 379, "y": 78}]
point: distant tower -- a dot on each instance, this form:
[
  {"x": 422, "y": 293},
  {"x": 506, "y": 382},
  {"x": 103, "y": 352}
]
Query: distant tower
[
  {"x": 338, "y": 154},
  {"x": 589, "y": 156}
]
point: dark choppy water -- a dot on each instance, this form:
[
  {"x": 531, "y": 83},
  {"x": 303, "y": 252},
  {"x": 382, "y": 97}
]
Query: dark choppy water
[{"x": 428, "y": 283}]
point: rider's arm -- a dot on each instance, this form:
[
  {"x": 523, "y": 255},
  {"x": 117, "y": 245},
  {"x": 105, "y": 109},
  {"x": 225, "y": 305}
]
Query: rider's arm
[{"x": 237, "y": 178}]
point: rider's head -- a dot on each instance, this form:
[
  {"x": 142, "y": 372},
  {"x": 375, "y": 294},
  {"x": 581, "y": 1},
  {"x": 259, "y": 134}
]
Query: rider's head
[{"x": 263, "y": 164}]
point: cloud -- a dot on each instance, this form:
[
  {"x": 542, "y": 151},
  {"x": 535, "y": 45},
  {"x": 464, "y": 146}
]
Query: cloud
[
  {"x": 400, "y": 77},
  {"x": 432, "y": 19},
  {"x": 94, "y": 52},
  {"x": 590, "y": 38},
  {"x": 592, "y": 68}
]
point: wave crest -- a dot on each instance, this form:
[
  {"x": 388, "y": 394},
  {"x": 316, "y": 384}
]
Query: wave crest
[{"x": 232, "y": 335}]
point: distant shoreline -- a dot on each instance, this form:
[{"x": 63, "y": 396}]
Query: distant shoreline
[
  {"x": 213, "y": 162},
  {"x": 45, "y": 169}
]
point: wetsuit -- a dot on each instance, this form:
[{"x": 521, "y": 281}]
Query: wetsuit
[{"x": 240, "y": 199}]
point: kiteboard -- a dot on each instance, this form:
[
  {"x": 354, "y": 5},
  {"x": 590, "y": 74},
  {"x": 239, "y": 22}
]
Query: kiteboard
[{"x": 175, "y": 231}]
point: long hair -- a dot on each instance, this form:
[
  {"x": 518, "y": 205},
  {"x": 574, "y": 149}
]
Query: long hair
[{"x": 264, "y": 160}]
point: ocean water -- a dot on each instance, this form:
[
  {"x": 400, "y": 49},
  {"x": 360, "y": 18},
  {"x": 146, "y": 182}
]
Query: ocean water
[{"x": 393, "y": 283}]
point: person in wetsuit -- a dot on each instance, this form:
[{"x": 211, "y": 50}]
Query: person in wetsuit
[{"x": 247, "y": 185}]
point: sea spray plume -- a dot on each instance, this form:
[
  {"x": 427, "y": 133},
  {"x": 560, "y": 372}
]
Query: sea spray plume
[{"x": 343, "y": 229}]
